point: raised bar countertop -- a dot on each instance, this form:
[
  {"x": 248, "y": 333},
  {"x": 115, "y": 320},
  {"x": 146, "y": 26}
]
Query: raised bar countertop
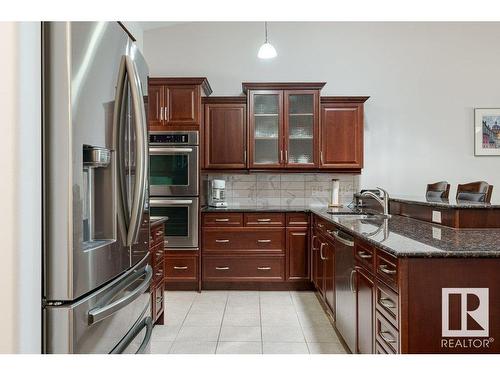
[
  {"x": 401, "y": 236},
  {"x": 443, "y": 203}
]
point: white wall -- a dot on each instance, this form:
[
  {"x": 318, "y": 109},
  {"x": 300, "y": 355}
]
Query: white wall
[
  {"x": 20, "y": 190},
  {"x": 424, "y": 80},
  {"x": 136, "y": 29}
]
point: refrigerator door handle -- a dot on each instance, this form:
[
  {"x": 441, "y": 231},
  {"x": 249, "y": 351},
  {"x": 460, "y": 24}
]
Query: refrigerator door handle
[
  {"x": 99, "y": 313},
  {"x": 145, "y": 323},
  {"x": 141, "y": 162}
]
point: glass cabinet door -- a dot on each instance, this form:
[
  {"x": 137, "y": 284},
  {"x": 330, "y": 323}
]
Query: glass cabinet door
[
  {"x": 300, "y": 112},
  {"x": 266, "y": 128}
]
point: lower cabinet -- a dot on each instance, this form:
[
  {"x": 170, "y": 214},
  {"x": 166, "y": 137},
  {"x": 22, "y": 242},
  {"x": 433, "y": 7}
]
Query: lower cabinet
[
  {"x": 157, "y": 263},
  {"x": 297, "y": 245},
  {"x": 328, "y": 254},
  {"x": 255, "y": 247},
  {"x": 365, "y": 291},
  {"x": 181, "y": 269}
]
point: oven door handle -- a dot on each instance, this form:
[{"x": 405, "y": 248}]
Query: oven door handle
[
  {"x": 169, "y": 202},
  {"x": 170, "y": 150}
]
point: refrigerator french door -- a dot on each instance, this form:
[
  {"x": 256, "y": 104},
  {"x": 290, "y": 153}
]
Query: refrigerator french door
[{"x": 96, "y": 214}]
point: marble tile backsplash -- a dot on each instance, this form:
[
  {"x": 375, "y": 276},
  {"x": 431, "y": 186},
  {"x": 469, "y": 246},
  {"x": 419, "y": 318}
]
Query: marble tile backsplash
[{"x": 285, "y": 189}]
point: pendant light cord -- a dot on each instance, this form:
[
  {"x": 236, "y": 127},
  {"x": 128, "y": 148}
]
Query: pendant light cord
[{"x": 265, "y": 25}]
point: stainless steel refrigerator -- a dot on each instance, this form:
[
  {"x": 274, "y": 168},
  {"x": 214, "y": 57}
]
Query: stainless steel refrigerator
[{"x": 96, "y": 217}]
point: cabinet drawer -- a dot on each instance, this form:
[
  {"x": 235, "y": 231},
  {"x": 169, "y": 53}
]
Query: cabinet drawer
[
  {"x": 379, "y": 349},
  {"x": 181, "y": 268},
  {"x": 244, "y": 240},
  {"x": 386, "y": 267},
  {"x": 365, "y": 256},
  {"x": 387, "y": 303},
  {"x": 265, "y": 219},
  {"x": 297, "y": 219},
  {"x": 241, "y": 268},
  {"x": 158, "y": 274},
  {"x": 386, "y": 334},
  {"x": 157, "y": 253},
  {"x": 227, "y": 219},
  {"x": 157, "y": 234},
  {"x": 158, "y": 300}
]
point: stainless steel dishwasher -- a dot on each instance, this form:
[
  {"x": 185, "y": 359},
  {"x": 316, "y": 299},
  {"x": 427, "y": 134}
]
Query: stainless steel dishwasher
[{"x": 345, "y": 291}]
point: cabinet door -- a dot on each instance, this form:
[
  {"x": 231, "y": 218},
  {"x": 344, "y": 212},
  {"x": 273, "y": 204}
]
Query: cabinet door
[
  {"x": 329, "y": 274},
  {"x": 320, "y": 266},
  {"x": 297, "y": 241},
  {"x": 341, "y": 133},
  {"x": 365, "y": 309},
  {"x": 225, "y": 136},
  {"x": 182, "y": 105},
  {"x": 155, "y": 105},
  {"x": 301, "y": 124},
  {"x": 266, "y": 129}
]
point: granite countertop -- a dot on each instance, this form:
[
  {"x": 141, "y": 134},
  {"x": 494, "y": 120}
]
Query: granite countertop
[
  {"x": 444, "y": 203},
  {"x": 406, "y": 237},
  {"x": 398, "y": 235}
]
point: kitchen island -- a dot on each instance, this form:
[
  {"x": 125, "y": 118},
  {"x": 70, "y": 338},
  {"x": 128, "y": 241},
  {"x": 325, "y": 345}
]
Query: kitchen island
[{"x": 392, "y": 285}]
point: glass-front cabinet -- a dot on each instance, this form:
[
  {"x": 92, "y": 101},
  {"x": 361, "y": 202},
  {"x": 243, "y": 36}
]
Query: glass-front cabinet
[
  {"x": 283, "y": 127},
  {"x": 301, "y": 127}
]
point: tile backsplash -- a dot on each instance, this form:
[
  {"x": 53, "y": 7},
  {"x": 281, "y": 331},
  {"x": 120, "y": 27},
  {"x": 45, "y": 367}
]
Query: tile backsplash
[{"x": 285, "y": 189}]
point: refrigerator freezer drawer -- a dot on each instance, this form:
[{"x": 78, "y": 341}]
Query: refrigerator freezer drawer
[{"x": 101, "y": 321}]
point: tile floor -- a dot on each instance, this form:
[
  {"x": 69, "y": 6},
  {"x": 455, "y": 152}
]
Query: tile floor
[{"x": 244, "y": 322}]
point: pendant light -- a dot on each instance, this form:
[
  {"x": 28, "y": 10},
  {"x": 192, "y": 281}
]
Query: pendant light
[{"x": 266, "y": 51}]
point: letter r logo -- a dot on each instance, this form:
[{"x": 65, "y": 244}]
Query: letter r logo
[{"x": 465, "y": 312}]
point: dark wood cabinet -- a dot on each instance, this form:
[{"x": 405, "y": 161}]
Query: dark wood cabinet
[
  {"x": 156, "y": 251},
  {"x": 283, "y": 124},
  {"x": 175, "y": 103},
  {"x": 225, "y": 129},
  {"x": 329, "y": 273},
  {"x": 341, "y": 133},
  {"x": 365, "y": 309},
  {"x": 297, "y": 244}
]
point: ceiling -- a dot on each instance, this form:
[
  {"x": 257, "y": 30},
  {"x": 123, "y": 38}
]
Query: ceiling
[{"x": 151, "y": 25}]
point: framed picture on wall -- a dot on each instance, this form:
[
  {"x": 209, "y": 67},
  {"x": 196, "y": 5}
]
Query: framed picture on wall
[{"x": 487, "y": 131}]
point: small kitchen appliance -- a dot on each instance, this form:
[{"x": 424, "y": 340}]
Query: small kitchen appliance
[{"x": 217, "y": 193}]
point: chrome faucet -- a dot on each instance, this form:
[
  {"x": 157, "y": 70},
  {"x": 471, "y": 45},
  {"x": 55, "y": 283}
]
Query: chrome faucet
[{"x": 384, "y": 201}]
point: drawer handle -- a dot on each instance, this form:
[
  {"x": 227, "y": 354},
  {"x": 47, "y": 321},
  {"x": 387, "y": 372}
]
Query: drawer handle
[
  {"x": 364, "y": 255},
  {"x": 159, "y": 233},
  {"x": 159, "y": 254},
  {"x": 263, "y": 268},
  {"x": 222, "y": 220},
  {"x": 222, "y": 241},
  {"x": 263, "y": 220},
  {"x": 159, "y": 273},
  {"x": 221, "y": 268},
  {"x": 384, "y": 269},
  {"x": 320, "y": 225},
  {"x": 387, "y": 337},
  {"x": 263, "y": 241},
  {"x": 387, "y": 303},
  {"x": 159, "y": 299},
  {"x": 180, "y": 268}
]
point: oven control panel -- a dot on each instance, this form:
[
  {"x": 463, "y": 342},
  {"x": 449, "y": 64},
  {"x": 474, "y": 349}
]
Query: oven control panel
[{"x": 173, "y": 138}]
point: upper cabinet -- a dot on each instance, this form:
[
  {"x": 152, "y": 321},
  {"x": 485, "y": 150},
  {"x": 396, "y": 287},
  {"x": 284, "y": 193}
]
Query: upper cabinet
[
  {"x": 283, "y": 124},
  {"x": 225, "y": 136},
  {"x": 175, "y": 103},
  {"x": 341, "y": 132}
]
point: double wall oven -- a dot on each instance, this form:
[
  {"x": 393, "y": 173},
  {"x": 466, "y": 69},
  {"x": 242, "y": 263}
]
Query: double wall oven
[{"x": 174, "y": 185}]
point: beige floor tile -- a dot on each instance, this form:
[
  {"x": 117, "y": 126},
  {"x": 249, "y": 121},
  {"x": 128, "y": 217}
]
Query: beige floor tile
[
  {"x": 285, "y": 348},
  {"x": 282, "y": 334},
  {"x": 165, "y": 332},
  {"x": 326, "y": 348},
  {"x": 320, "y": 333},
  {"x": 240, "y": 334},
  {"x": 203, "y": 319},
  {"x": 160, "y": 347},
  {"x": 242, "y": 309},
  {"x": 308, "y": 319},
  {"x": 193, "y": 347},
  {"x": 239, "y": 348},
  {"x": 241, "y": 320},
  {"x": 198, "y": 334},
  {"x": 279, "y": 319}
]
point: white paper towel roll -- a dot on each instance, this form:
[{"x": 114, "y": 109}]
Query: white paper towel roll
[{"x": 335, "y": 193}]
